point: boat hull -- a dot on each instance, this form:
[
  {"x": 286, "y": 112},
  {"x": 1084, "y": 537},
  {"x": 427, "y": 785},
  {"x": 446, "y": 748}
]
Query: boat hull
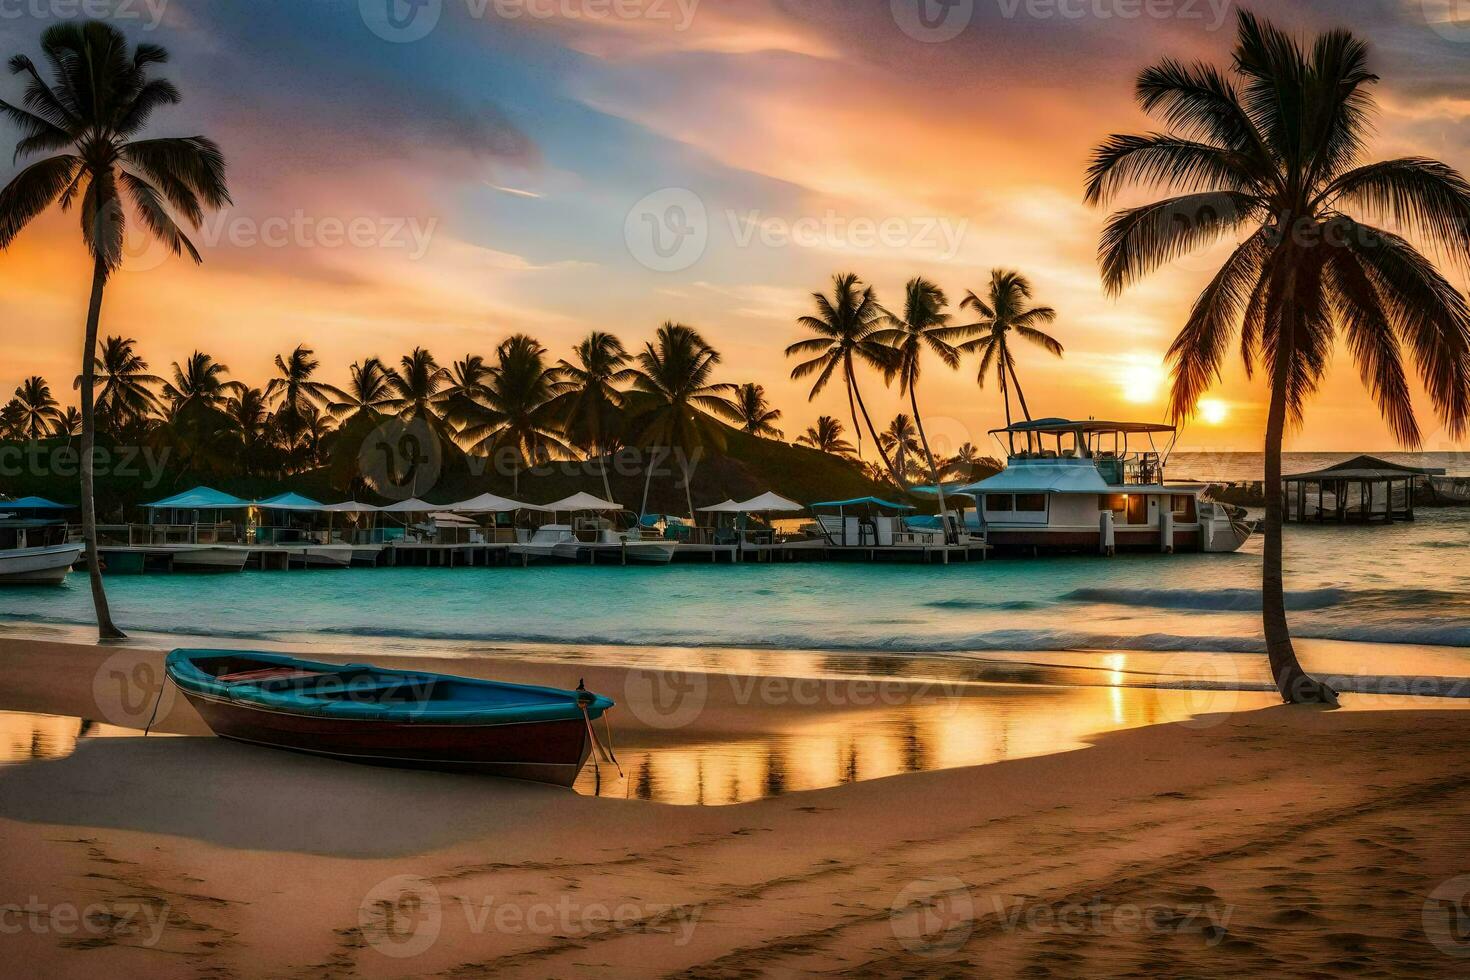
[
  {"x": 547, "y": 752},
  {"x": 209, "y": 558},
  {"x": 38, "y": 566}
]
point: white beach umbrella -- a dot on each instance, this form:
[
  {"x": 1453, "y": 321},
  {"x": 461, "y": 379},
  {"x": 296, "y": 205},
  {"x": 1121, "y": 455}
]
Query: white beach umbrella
[
  {"x": 489, "y": 503},
  {"x": 581, "y": 501},
  {"x": 767, "y": 503},
  {"x": 726, "y": 506},
  {"x": 349, "y": 507},
  {"x": 412, "y": 505}
]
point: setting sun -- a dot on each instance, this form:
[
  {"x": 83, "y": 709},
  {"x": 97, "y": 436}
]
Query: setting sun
[
  {"x": 1213, "y": 410},
  {"x": 1141, "y": 381}
]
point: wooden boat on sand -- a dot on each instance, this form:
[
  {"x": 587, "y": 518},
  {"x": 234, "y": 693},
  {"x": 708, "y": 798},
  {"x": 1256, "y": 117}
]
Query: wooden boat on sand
[{"x": 361, "y": 713}]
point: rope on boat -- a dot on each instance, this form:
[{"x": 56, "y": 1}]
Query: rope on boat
[
  {"x": 156, "y": 701},
  {"x": 597, "y": 745}
]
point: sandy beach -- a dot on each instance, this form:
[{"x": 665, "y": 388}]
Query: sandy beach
[{"x": 1265, "y": 838}]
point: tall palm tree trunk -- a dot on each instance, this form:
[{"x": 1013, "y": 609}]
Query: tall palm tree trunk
[
  {"x": 857, "y": 393},
  {"x": 852, "y": 410},
  {"x": 934, "y": 470},
  {"x": 1020, "y": 395},
  {"x": 602, "y": 468},
  {"x": 1295, "y": 685},
  {"x": 648, "y": 480},
  {"x": 106, "y": 630}
]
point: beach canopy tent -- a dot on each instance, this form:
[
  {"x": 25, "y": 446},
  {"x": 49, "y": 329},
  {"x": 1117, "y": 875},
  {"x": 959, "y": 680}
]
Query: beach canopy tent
[
  {"x": 34, "y": 503},
  {"x": 580, "y": 501},
  {"x": 726, "y": 506},
  {"x": 1364, "y": 488},
  {"x": 291, "y": 501},
  {"x": 768, "y": 503},
  {"x": 444, "y": 518},
  {"x": 412, "y": 505},
  {"x": 489, "y": 503},
  {"x": 349, "y": 507},
  {"x": 863, "y": 502},
  {"x": 200, "y": 498}
]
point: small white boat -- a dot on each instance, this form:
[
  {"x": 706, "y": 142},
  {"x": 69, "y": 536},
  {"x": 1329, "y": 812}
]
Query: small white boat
[
  {"x": 208, "y": 557},
  {"x": 35, "y": 553},
  {"x": 544, "y": 542},
  {"x": 322, "y": 556}
]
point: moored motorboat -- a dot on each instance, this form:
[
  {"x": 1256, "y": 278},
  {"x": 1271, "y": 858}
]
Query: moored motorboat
[
  {"x": 1082, "y": 486},
  {"x": 34, "y": 552},
  {"x": 410, "y": 719}
]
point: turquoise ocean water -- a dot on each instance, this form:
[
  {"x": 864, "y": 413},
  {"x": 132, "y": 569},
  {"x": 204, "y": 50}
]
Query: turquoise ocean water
[{"x": 1408, "y": 583}]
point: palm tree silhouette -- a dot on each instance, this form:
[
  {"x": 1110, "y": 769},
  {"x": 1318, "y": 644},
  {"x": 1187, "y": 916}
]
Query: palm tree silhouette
[
  {"x": 923, "y": 326},
  {"x": 845, "y": 326},
  {"x": 416, "y": 386},
  {"x": 513, "y": 411},
  {"x": 826, "y": 436},
  {"x": 673, "y": 399},
  {"x": 753, "y": 413},
  {"x": 100, "y": 98},
  {"x": 294, "y": 394},
  {"x": 588, "y": 402},
  {"x": 901, "y": 438},
  {"x": 199, "y": 381},
  {"x": 368, "y": 391},
  {"x": 125, "y": 396},
  {"x": 1271, "y": 149},
  {"x": 69, "y": 425},
  {"x": 39, "y": 411},
  {"x": 1004, "y": 311}
]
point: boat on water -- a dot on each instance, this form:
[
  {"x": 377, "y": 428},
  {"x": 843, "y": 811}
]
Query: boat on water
[
  {"x": 1091, "y": 486},
  {"x": 593, "y": 532},
  {"x": 35, "y": 551},
  {"x": 410, "y": 719}
]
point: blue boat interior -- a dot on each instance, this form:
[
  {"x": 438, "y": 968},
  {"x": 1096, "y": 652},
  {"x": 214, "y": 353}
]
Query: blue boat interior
[{"x": 283, "y": 683}]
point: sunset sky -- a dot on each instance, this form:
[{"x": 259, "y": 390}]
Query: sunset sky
[{"x": 498, "y": 174}]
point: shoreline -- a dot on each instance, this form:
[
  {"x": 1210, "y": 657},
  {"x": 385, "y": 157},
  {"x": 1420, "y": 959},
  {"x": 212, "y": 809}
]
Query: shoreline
[{"x": 208, "y": 857}]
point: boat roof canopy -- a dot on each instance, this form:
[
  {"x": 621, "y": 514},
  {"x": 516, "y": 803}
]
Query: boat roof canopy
[
  {"x": 200, "y": 498},
  {"x": 859, "y": 501},
  {"x": 580, "y": 501},
  {"x": 1046, "y": 426}
]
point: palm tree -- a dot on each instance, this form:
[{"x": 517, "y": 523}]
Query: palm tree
[
  {"x": 250, "y": 418},
  {"x": 826, "y": 436},
  {"x": 673, "y": 399},
  {"x": 924, "y": 326},
  {"x": 12, "y": 417},
  {"x": 100, "y": 98},
  {"x": 368, "y": 390},
  {"x": 294, "y": 395},
  {"x": 901, "y": 439},
  {"x": 1272, "y": 150},
  {"x": 753, "y": 413},
  {"x": 69, "y": 425},
  {"x": 588, "y": 401},
  {"x": 125, "y": 395},
  {"x": 845, "y": 326},
  {"x": 1006, "y": 310},
  {"x": 317, "y": 429},
  {"x": 416, "y": 386},
  {"x": 39, "y": 411},
  {"x": 200, "y": 380},
  {"x": 466, "y": 379},
  {"x": 513, "y": 412}
]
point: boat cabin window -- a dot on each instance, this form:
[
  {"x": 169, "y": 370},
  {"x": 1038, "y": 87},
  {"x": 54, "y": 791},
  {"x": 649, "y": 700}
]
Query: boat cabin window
[
  {"x": 1000, "y": 502},
  {"x": 1183, "y": 507},
  {"x": 1032, "y": 503}
]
